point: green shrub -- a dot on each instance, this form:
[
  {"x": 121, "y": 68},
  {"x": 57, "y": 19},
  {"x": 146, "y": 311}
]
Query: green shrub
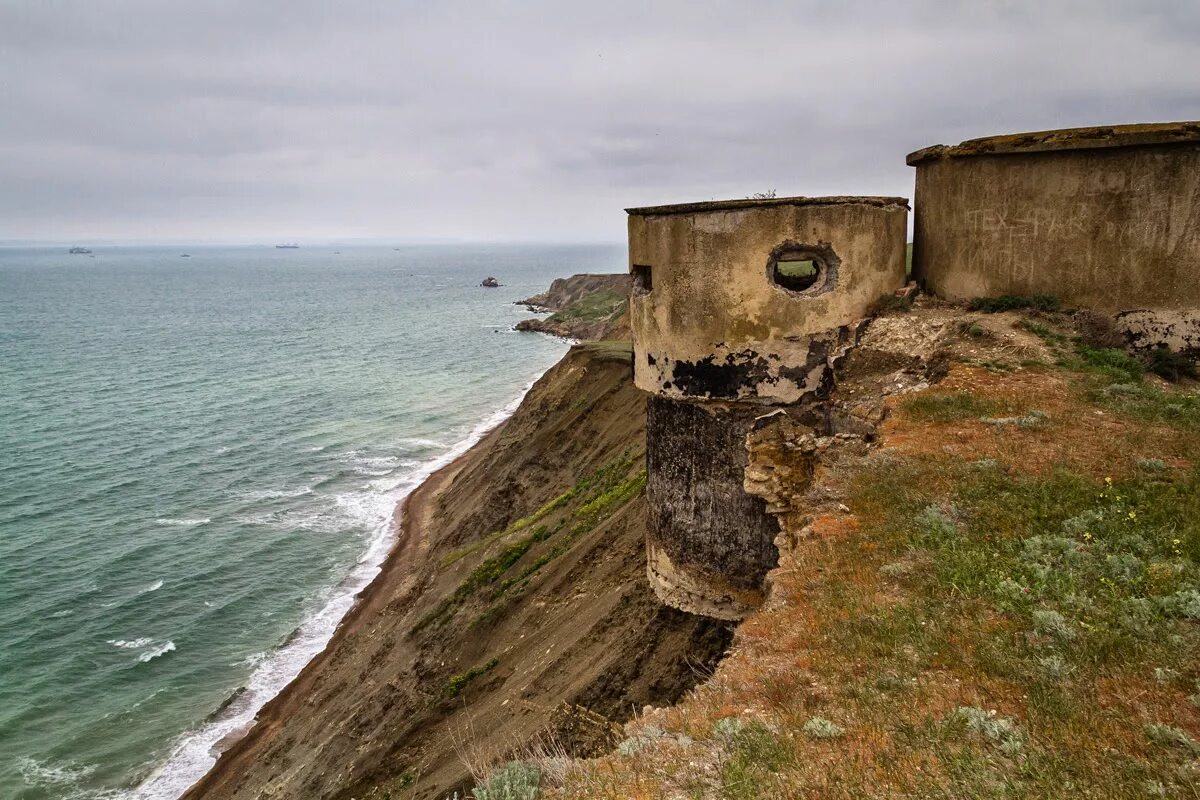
[
  {"x": 821, "y": 728},
  {"x": 458, "y": 682},
  {"x": 1170, "y": 365},
  {"x": 516, "y": 780},
  {"x": 1170, "y": 736},
  {"x": 755, "y": 753},
  {"x": 1116, "y": 365},
  {"x": 1002, "y": 732}
]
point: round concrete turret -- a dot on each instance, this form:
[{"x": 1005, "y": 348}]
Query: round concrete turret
[{"x": 739, "y": 306}]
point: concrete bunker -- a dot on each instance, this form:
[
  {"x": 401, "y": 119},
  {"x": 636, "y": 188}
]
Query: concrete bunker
[
  {"x": 738, "y": 307},
  {"x": 804, "y": 268},
  {"x": 1106, "y": 218}
]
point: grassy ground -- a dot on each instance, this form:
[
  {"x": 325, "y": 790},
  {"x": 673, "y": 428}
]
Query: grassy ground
[
  {"x": 1010, "y": 608},
  {"x": 596, "y": 306}
]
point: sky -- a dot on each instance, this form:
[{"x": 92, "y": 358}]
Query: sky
[{"x": 246, "y": 120}]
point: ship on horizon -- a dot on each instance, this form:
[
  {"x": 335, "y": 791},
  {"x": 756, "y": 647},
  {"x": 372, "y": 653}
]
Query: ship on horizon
[
  {"x": 80, "y": 251},
  {"x": 287, "y": 246}
]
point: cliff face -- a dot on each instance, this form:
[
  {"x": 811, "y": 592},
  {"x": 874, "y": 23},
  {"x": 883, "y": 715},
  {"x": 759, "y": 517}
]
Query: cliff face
[
  {"x": 514, "y": 605},
  {"x": 585, "y": 307},
  {"x": 564, "y": 292}
]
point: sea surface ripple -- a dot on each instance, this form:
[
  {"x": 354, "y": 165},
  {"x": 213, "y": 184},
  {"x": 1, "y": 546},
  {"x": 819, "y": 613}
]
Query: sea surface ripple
[{"x": 200, "y": 461}]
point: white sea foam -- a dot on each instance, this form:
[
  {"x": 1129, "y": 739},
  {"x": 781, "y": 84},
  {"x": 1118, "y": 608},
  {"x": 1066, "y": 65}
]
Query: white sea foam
[
  {"x": 154, "y": 587},
  {"x": 150, "y": 649},
  {"x": 131, "y": 644},
  {"x": 182, "y": 523},
  {"x": 277, "y": 494},
  {"x": 373, "y": 466},
  {"x": 194, "y": 753},
  {"x": 423, "y": 444},
  {"x": 164, "y": 648},
  {"x": 252, "y": 660},
  {"x": 39, "y": 773}
]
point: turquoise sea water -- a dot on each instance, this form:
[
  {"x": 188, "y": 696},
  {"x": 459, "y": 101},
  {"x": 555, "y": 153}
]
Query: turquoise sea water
[{"x": 198, "y": 462}]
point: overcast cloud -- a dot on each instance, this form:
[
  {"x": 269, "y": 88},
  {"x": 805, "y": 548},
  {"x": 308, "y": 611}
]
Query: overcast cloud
[{"x": 248, "y": 120}]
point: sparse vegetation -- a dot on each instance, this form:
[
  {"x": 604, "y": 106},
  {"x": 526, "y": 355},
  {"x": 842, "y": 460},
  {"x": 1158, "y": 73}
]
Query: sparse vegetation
[
  {"x": 821, "y": 728},
  {"x": 893, "y": 303},
  {"x": 602, "y": 304},
  {"x": 1001, "y": 614},
  {"x": 1009, "y": 302},
  {"x": 595, "y": 498},
  {"x": 1170, "y": 365},
  {"x": 944, "y": 407},
  {"x": 516, "y": 780},
  {"x": 458, "y": 682}
]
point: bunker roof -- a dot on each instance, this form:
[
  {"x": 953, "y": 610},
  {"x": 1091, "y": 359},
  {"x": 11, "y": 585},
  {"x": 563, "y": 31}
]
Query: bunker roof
[
  {"x": 1158, "y": 133},
  {"x": 728, "y": 205}
]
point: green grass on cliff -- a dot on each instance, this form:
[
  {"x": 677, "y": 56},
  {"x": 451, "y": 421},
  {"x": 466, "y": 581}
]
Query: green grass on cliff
[
  {"x": 597, "y": 306},
  {"x": 564, "y": 519},
  {"x": 1005, "y": 611},
  {"x": 456, "y": 683}
]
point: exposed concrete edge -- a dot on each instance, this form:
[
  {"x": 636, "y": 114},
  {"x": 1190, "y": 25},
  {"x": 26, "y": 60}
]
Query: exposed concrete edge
[
  {"x": 1148, "y": 329},
  {"x": 694, "y": 593},
  {"x": 727, "y": 205},
  {"x": 1095, "y": 138}
]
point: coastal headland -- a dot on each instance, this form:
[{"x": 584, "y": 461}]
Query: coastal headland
[
  {"x": 514, "y": 604},
  {"x": 987, "y": 548}
]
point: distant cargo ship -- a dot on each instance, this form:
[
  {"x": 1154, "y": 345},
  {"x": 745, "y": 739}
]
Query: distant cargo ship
[
  {"x": 81, "y": 251},
  {"x": 287, "y": 246}
]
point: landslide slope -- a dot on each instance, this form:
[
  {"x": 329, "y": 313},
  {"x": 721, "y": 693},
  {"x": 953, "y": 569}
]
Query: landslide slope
[{"x": 515, "y": 599}]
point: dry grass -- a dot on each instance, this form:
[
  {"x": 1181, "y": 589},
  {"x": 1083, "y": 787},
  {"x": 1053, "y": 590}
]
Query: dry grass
[{"x": 993, "y": 618}]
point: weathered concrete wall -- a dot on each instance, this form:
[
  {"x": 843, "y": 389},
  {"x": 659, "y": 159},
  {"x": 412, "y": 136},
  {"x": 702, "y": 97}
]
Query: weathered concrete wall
[
  {"x": 714, "y": 324},
  {"x": 1105, "y": 218},
  {"x": 710, "y": 543},
  {"x": 719, "y": 340}
]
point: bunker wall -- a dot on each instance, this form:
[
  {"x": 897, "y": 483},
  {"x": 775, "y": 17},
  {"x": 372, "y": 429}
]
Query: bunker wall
[
  {"x": 709, "y": 543},
  {"x": 710, "y": 322},
  {"x": 1112, "y": 228}
]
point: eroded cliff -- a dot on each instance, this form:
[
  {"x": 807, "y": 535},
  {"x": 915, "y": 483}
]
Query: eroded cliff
[
  {"x": 515, "y": 605},
  {"x": 583, "y": 307}
]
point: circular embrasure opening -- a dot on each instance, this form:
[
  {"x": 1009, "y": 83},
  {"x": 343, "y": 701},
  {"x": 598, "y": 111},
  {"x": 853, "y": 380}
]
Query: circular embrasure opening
[
  {"x": 796, "y": 272},
  {"x": 798, "y": 268}
]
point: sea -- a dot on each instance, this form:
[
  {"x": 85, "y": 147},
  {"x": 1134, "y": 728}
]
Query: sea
[{"x": 200, "y": 455}]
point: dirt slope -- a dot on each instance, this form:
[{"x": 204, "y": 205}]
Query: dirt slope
[{"x": 515, "y": 591}]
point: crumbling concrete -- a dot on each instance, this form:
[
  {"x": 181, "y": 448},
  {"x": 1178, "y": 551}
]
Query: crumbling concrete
[
  {"x": 738, "y": 307},
  {"x": 709, "y": 320},
  {"x": 710, "y": 542}
]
